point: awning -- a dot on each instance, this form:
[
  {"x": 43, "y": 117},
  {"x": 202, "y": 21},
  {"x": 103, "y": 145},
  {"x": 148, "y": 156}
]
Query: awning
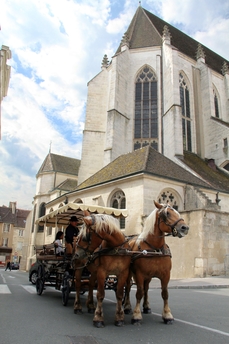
[
  {"x": 4, "y": 249},
  {"x": 61, "y": 216}
]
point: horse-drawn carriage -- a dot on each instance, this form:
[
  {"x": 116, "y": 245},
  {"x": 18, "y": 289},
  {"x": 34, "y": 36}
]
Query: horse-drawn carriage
[
  {"x": 57, "y": 270},
  {"x": 105, "y": 250}
]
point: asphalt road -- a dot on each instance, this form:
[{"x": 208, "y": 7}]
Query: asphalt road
[{"x": 201, "y": 316}]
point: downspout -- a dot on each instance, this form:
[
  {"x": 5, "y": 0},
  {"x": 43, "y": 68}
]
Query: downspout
[{"x": 162, "y": 101}]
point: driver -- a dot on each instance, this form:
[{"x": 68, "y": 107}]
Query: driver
[{"x": 71, "y": 232}]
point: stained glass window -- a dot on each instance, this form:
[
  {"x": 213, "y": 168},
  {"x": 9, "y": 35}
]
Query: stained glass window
[
  {"x": 186, "y": 114},
  {"x": 146, "y": 109}
]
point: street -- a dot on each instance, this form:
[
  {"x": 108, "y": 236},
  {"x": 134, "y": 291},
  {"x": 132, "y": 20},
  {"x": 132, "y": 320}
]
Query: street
[{"x": 201, "y": 316}]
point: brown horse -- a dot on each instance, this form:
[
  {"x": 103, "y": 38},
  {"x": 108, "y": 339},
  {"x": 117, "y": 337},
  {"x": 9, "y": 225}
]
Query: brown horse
[
  {"x": 111, "y": 258},
  {"x": 86, "y": 242},
  {"x": 151, "y": 257}
]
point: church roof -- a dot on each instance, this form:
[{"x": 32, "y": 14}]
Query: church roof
[
  {"x": 145, "y": 160},
  {"x": 207, "y": 170},
  {"x": 146, "y": 30},
  {"x": 59, "y": 163},
  {"x": 68, "y": 185}
]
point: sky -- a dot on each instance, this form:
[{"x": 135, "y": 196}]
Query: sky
[{"x": 57, "y": 48}]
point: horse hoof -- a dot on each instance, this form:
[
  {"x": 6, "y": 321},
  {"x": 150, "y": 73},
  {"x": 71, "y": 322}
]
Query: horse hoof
[
  {"x": 135, "y": 321},
  {"x": 78, "y": 311},
  {"x": 168, "y": 321},
  {"x": 147, "y": 310},
  {"x": 98, "y": 324},
  {"x": 91, "y": 310},
  {"x": 127, "y": 311},
  {"x": 119, "y": 323}
]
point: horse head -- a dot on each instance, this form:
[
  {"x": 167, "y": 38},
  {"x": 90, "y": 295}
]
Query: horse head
[
  {"x": 170, "y": 221},
  {"x": 87, "y": 241}
]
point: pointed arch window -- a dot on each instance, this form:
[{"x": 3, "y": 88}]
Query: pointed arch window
[
  {"x": 216, "y": 104},
  {"x": 118, "y": 201},
  {"x": 146, "y": 109},
  {"x": 41, "y": 213},
  {"x": 186, "y": 114}
]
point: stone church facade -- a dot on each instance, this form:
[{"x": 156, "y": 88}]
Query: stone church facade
[{"x": 157, "y": 128}]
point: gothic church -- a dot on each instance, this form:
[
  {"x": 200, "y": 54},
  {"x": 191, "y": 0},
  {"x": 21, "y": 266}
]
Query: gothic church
[{"x": 157, "y": 128}]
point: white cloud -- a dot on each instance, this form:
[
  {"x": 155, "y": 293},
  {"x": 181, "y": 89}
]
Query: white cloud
[{"x": 57, "y": 47}]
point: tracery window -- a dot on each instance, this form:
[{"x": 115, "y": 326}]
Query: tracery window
[
  {"x": 216, "y": 104},
  {"x": 186, "y": 114},
  {"x": 169, "y": 196},
  {"x": 146, "y": 109},
  {"x": 118, "y": 201}
]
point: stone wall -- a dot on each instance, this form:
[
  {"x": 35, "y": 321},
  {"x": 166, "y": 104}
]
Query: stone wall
[{"x": 205, "y": 250}]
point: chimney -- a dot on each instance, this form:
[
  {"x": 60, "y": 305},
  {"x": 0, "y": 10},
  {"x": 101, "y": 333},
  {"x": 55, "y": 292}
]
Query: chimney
[
  {"x": 13, "y": 206},
  {"x": 211, "y": 163}
]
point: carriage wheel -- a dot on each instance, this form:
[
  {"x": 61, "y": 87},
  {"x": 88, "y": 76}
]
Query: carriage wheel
[
  {"x": 40, "y": 280},
  {"x": 65, "y": 289}
]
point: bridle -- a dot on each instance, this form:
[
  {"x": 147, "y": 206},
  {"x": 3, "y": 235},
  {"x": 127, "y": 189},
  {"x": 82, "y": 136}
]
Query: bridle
[{"x": 162, "y": 218}]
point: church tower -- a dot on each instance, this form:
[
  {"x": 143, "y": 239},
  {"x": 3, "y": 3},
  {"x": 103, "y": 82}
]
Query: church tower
[{"x": 162, "y": 89}]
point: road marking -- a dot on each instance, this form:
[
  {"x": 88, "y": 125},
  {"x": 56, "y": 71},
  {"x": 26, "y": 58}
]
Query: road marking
[
  {"x": 29, "y": 288},
  {"x": 200, "y": 326},
  {"x": 188, "y": 323},
  {"x": 4, "y": 289},
  {"x": 3, "y": 278}
]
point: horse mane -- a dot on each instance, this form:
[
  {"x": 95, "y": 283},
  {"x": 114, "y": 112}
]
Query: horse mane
[
  {"x": 102, "y": 221},
  {"x": 148, "y": 225}
]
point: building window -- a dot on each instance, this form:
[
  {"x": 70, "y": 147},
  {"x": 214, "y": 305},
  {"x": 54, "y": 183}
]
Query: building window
[
  {"x": 168, "y": 196},
  {"x": 118, "y": 201},
  {"x": 186, "y": 115},
  {"x": 41, "y": 213},
  {"x": 21, "y": 232},
  {"x": 225, "y": 143},
  {"x": 5, "y": 242},
  {"x": 146, "y": 109},
  {"x": 6, "y": 227},
  {"x": 216, "y": 104}
]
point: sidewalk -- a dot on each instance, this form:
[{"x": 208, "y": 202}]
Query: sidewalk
[{"x": 194, "y": 283}]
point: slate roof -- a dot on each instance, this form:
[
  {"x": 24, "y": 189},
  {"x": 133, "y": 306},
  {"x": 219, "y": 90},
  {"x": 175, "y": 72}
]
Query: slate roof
[
  {"x": 59, "y": 163},
  {"x": 18, "y": 219},
  {"x": 68, "y": 185},
  {"x": 145, "y": 30},
  {"x": 216, "y": 177},
  {"x": 145, "y": 160}
]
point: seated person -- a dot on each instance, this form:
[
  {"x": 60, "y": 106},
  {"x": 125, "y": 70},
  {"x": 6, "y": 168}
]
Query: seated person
[
  {"x": 58, "y": 243},
  {"x": 71, "y": 232}
]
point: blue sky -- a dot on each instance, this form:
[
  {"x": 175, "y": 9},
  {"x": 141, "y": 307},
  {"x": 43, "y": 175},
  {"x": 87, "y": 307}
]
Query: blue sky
[{"x": 57, "y": 47}]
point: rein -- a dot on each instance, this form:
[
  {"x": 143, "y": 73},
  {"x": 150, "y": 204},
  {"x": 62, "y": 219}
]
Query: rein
[{"x": 173, "y": 226}]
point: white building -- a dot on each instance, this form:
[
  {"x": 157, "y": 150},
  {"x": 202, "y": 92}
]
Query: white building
[{"x": 157, "y": 128}]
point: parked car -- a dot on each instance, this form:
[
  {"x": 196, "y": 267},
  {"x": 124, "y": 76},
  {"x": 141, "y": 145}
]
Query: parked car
[
  {"x": 33, "y": 272},
  {"x": 15, "y": 266}
]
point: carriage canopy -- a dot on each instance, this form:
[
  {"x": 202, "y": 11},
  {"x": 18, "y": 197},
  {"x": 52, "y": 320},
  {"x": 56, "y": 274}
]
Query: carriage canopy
[{"x": 62, "y": 215}]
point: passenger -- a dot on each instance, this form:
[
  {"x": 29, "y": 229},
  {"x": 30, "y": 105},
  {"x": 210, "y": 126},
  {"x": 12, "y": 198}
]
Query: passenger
[
  {"x": 58, "y": 243},
  {"x": 71, "y": 232}
]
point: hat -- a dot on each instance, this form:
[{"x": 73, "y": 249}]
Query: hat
[{"x": 74, "y": 218}]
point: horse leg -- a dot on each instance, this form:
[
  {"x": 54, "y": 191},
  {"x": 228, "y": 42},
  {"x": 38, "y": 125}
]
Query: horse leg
[
  {"x": 126, "y": 301},
  {"x": 137, "y": 316},
  {"x": 98, "y": 319},
  {"x": 119, "y": 314},
  {"x": 166, "y": 313},
  {"x": 146, "y": 307},
  {"x": 90, "y": 300},
  {"x": 77, "y": 303}
]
